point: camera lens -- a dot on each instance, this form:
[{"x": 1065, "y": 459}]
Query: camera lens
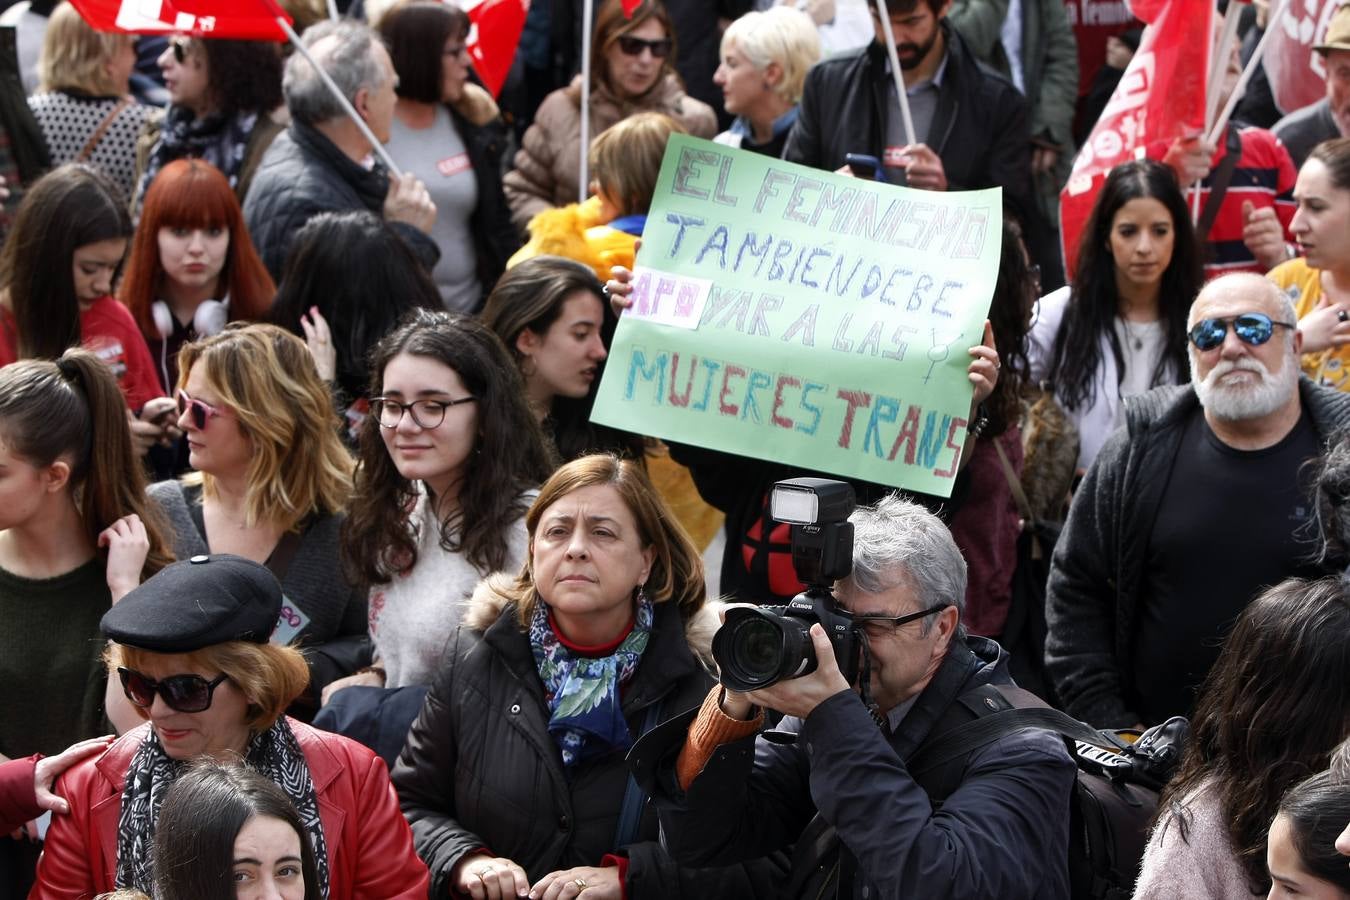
[{"x": 757, "y": 649}]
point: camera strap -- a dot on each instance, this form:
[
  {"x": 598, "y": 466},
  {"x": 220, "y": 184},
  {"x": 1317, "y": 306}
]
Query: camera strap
[
  {"x": 630, "y": 813},
  {"x": 865, "y": 687}
]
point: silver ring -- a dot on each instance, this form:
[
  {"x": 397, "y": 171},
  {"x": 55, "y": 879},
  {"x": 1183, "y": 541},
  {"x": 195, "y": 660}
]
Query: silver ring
[{"x": 1343, "y": 316}]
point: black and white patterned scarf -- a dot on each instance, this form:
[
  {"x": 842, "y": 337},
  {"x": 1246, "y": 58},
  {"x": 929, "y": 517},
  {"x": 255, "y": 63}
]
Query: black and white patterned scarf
[
  {"x": 273, "y": 753},
  {"x": 220, "y": 140}
]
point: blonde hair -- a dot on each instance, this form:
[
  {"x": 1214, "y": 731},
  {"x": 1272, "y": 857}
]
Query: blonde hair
[
  {"x": 780, "y": 34},
  {"x": 626, "y": 159},
  {"x": 269, "y": 676},
  {"x": 677, "y": 568},
  {"x": 75, "y": 56},
  {"x": 266, "y": 377}
]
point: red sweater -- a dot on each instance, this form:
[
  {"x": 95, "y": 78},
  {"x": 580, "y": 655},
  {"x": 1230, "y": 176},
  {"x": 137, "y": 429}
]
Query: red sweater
[{"x": 109, "y": 332}]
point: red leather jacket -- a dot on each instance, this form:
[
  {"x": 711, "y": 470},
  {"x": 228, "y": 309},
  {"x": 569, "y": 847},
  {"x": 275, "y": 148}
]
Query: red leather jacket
[{"x": 370, "y": 849}]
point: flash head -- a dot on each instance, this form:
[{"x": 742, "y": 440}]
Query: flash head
[{"x": 811, "y": 501}]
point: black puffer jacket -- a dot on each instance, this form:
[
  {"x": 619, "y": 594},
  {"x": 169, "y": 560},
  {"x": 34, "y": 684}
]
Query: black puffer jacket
[
  {"x": 304, "y": 174},
  {"x": 980, "y": 128},
  {"x": 480, "y": 770}
]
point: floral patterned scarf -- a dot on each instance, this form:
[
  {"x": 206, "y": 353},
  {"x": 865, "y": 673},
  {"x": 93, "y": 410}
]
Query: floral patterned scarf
[{"x": 584, "y": 703}]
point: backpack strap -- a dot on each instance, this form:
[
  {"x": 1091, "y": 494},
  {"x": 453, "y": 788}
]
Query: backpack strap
[
  {"x": 1218, "y": 184},
  {"x": 961, "y": 741},
  {"x": 630, "y": 812}
]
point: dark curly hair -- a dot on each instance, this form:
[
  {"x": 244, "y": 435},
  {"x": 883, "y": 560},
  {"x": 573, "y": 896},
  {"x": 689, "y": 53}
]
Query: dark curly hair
[
  {"x": 1010, "y": 317},
  {"x": 245, "y": 75},
  {"x": 509, "y": 455},
  {"x": 1270, "y": 713},
  {"x": 1076, "y": 357}
]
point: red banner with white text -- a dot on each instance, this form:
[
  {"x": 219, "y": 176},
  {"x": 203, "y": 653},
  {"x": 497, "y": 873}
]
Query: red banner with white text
[
  {"x": 1296, "y": 71},
  {"x": 249, "y": 20},
  {"x": 494, "y": 34},
  {"x": 1160, "y": 97}
]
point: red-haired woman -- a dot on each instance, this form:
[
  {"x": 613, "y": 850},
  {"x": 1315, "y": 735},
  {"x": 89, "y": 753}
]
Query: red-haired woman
[{"x": 192, "y": 266}]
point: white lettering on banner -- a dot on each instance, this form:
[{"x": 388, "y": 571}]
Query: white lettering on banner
[{"x": 1126, "y": 114}]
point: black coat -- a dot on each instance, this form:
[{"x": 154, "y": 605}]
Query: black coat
[
  {"x": 304, "y": 174},
  {"x": 480, "y": 769}
]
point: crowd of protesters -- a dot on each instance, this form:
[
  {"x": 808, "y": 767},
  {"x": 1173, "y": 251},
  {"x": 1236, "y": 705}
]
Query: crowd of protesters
[{"x": 319, "y": 581}]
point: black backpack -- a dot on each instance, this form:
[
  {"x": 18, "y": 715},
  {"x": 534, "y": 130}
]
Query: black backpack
[{"x": 1115, "y": 796}]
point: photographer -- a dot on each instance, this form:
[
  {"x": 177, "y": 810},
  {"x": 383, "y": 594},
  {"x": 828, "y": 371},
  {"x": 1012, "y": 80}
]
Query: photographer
[{"x": 832, "y": 782}]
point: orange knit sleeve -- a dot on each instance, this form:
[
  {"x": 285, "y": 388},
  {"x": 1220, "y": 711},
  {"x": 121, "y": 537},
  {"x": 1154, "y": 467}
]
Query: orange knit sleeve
[{"x": 711, "y": 729}]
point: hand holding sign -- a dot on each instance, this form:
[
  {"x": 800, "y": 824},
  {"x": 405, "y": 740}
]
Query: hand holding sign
[{"x": 795, "y": 315}]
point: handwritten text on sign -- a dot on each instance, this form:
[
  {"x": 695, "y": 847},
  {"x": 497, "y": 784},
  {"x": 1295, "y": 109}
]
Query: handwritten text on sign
[{"x": 798, "y": 316}]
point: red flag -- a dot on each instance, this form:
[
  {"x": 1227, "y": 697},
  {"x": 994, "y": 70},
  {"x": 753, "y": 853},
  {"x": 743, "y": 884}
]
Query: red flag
[
  {"x": 250, "y": 20},
  {"x": 629, "y": 7},
  {"x": 1296, "y": 71},
  {"x": 494, "y": 33},
  {"x": 1160, "y": 97}
]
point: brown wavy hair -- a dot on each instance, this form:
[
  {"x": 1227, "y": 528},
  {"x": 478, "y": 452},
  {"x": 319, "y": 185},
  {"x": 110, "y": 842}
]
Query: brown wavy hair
[
  {"x": 72, "y": 409},
  {"x": 677, "y": 567},
  {"x": 509, "y": 455},
  {"x": 1270, "y": 713},
  {"x": 611, "y": 23},
  {"x": 190, "y": 193}
]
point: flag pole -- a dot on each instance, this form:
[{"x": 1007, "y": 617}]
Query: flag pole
[
  {"x": 333, "y": 10},
  {"x": 1250, "y": 70},
  {"x": 1219, "y": 64},
  {"x": 583, "y": 175},
  {"x": 346, "y": 105},
  {"x": 895, "y": 71}
]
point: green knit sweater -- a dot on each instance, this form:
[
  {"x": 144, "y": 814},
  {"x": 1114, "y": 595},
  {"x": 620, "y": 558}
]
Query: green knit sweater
[{"x": 50, "y": 672}]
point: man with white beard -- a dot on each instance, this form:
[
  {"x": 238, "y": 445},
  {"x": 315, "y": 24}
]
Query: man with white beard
[{"x": 1201, "y": 500}]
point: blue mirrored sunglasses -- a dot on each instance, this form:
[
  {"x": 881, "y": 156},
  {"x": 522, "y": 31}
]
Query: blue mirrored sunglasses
[{"x": 1253, "y": 329}]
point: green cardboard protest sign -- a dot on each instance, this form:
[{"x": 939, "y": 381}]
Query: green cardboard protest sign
[{"x": 794, "y": 315}]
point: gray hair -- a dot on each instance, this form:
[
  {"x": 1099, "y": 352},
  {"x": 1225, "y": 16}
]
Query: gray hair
[
  {"x": 898, "y": 542},
  {"x": 349, "y": 59}
]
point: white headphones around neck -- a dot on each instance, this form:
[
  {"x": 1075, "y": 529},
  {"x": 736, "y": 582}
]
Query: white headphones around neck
[{"x": 210, "y": 317}]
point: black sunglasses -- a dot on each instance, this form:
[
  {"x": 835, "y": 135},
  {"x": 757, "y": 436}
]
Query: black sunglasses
[
  {"x": 1253, "y": 329},
  {"x": 633, "y": 46},
  {"x": 184, "y": 693},
  {"x": 179, "y": 46}
]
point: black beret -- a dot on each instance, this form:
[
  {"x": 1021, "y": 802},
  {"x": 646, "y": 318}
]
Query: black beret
[{"x": 197, "y": 603}]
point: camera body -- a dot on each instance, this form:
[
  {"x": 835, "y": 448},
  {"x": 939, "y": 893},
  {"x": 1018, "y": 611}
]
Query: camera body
[{"x": 760, "y": 646}]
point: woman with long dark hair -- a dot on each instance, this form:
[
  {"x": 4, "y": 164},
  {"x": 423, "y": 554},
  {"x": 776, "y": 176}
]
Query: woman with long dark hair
[
  {"x": 450, "y": 459},
  {"x": 57, "y": 271},
  {"x": 551, "y": 315},
  {"x": 985, "y": 521},
  {"x": 1120, "y": 328},
  {"x": 1301, "y": 849},
  {"x": 76, "y": 533},
  {"x": 228, "y": 833},
  {"x": 1270, "y": 713},
  {"x": 360, "y": 278},
  {"x": 192, "y": 266}
]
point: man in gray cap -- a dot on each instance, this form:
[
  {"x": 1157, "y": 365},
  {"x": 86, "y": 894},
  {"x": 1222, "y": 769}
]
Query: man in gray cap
[{"x": 1329, "y": 117}]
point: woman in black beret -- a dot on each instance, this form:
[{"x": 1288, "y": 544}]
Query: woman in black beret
[{"x": 191, "y": 649}]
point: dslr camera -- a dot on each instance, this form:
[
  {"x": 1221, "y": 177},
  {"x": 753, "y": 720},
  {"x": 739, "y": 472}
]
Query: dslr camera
[{"x": 760, "y": 646}]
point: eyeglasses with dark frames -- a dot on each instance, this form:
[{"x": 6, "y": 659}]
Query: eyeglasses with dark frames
[
  {"x": 183, "y": 693},
  {"x": 893, "y": 621},
  {"x": 425, "y": 413}
]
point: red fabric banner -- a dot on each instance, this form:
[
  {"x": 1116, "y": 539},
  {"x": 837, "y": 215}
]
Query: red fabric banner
[
  {"x": 494, "y": 34},
  {"x": 250, "y": 20},
  {"x": 1296, "y": 71},
  {"x": 629, "y": 7},
  {"x": 1160, "y": 97}
]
